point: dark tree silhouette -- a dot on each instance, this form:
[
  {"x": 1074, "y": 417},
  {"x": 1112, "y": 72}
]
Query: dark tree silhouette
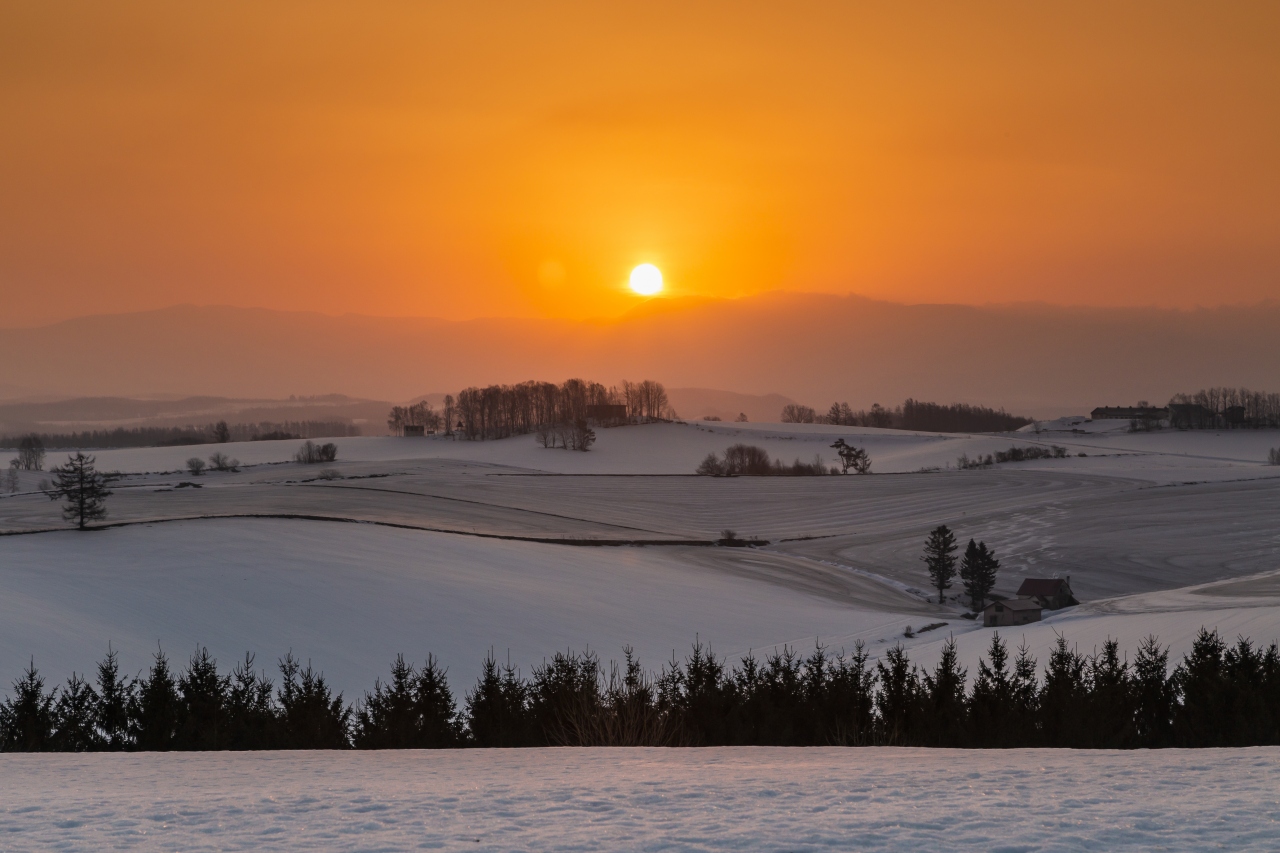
[
  {"x": 852, "y": 457},
  {"x": 221, "y": 432},
  {"x": 75, "y": 717},
  {"x": 939, "y": 557},
  {"x": 26, "y": 720},
  {"x": 30, "y": 453},
  {"x": 116, "y": 696},
  {"x": 978, "y": 573},
  {"x": 82, "y": 488}
]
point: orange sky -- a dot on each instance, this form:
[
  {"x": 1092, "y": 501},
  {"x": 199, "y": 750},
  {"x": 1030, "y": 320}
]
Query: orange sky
[{"x": 482, "y": 159}]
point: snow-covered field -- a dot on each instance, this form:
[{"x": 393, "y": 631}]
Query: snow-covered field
[
  {"x": 1156, "y": 530},
  {"x": 643, "y": 799}
]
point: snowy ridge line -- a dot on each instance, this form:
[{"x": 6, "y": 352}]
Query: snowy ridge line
[
  {"x": 479, "y": 503},
  {"x": 293, "y": 516}
]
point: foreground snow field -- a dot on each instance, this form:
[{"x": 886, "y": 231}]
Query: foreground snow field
[{"x": 608, "y": 799}]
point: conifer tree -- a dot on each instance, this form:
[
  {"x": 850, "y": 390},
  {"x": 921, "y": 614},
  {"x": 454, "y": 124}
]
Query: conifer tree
[
  {"x": 387, "y": 717},
  {"x": 81, "y": 488},
  {"x": 74, "y": 716},
  {"x": 851, "y": 700},
  {"x": 1199, "y": 679},
  {"x": 310, "y": 716},
  {"x": 1154, "y": 694},
  {"x": 154, "y": 715},
  {"x": 497, "y": 707},
  {"x": 565, "y": 701},
  {"x": 436, "y": 711},
  {"x": 944, "y": 707},
  {"x": 1111, "y": 707},
  {"x": 939, "y": 556},
  {"x": 1063, "y": 697},
  {"x": 115, "y": 698},
  {"x": 978, "y": 573},
  {"x": 251, "y": 712},
  {"x": 700, "y": 696},
  {"x": 991, "y": 705},
  {"x": 898, "y": 698},
  {"x": 1246, "y": 715},
  {"x": 26, "y": 718},
  {"x": 1026, "y": 699},
  {"x": 203, "y": 708}
]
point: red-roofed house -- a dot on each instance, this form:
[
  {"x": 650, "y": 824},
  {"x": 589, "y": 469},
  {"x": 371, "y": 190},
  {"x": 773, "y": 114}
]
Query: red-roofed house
[{"x": 1050, "y": 593}]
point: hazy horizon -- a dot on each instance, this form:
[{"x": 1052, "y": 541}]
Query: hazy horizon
[{"x": 1041, "y": 361}]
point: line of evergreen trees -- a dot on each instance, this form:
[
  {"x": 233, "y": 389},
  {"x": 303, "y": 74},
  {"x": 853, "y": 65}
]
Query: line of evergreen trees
[
  {"x": 156, "y": 436},
  {"x": 912, "y": 415},
  {"x": 1219, "y": 695}
]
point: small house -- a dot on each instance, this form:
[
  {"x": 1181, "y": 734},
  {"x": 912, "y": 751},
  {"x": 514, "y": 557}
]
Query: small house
[
  {"x": 607, "y": 413},
  {"x": 414, "y": 429},
  {"x": 1049, "y": 593},
  {"x": 1012, "y": 611}
]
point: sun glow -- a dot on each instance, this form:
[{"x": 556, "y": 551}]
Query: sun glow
[{"x": 646, "y": 280}]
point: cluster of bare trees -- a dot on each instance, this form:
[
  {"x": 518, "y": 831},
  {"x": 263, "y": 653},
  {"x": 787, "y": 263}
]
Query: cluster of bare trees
[
  {"x": 1214, "y": 408},
  {"x": 421, "y": 414},
  {"x": 499, "y": 411},
  {"x": 746, "y": 460},
  {"x": 574, "y": 436}
]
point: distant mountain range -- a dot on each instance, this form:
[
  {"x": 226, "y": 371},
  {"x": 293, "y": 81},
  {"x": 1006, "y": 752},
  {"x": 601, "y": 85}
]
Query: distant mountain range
[{"x": 1031, "y": 359}]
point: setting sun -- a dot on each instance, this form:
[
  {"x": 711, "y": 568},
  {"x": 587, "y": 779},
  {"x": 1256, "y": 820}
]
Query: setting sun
[{"x": 646, "y": 280}]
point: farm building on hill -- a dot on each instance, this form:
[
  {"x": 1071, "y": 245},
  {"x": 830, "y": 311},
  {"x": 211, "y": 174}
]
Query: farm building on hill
[
  {"x": 1012, "y": 611},
  {"x": 414, "y": 429},
  {"x": 607, "y": 413},
  {"x": 1129, "y": 413},
  {"x": 1049, "y": 593}
]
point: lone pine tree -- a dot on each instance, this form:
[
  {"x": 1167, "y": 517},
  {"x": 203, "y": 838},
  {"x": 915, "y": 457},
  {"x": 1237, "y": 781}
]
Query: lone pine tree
[
  {"x": 940, "y": 557},
  {"x": 978, "y": 572},
  {"x": 82, "y": 489}
]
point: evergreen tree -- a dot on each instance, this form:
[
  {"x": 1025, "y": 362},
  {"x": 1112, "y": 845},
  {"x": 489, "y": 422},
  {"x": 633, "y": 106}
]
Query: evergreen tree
[
  {"x": 1198, "y": 719},
  {"x": 1023, "y": 727},
  {"x": 978, "y": 573},
  {"x": 82, "y": 489},
  {"x": 202, "y": 712},
  {"x": 991, "y": 706},
  {"x": 943, "y": 704},
  {"x": 154, "y": 715},
  {"x": 437, "y": 713},
  {"x": 26, "y": 719},
  {"x": 699, "y": 696},
  {"x": 565, "y": 701},
  {"x": 310, "y": 716},
  {"x": 115, "y": 698},
  {"x": 939, "y": 556},
  {"x": 898, "y": 699},
  {"x": 74, "y": 716},
  {"x": 388, "y": 718},
  {"x": 251, "y": 712},
  {"x": 849, "y": 718},
  {"x": 1063, "y": 699},
  {"x": 497, "y": 707},
  {"x": 1246, "y": 716},
  {"x": 1112, "y": 708},
  {"x": 1154, "y": 695}
]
